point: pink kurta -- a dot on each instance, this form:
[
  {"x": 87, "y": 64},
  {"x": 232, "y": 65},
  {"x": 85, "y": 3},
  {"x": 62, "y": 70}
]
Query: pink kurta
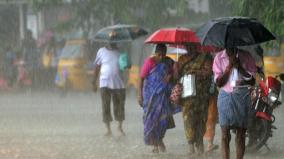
[{"x": 221, "y": 61}]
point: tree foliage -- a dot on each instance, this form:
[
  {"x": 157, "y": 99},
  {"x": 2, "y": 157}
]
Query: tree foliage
[
  {"x": 269, "y": 12},
  {"x": 220, "y": 8},
  {"x": 9, "y": 25},
  {"x": 149, "y": 13},
  {"x": 41, "y": 4}
]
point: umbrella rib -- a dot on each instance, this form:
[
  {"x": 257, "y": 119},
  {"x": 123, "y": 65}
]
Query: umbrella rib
[{"x": 204, "y": 36}]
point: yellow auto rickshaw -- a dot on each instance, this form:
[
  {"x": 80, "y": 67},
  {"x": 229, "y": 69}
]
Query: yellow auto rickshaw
[{"x": 72, "y": 70}]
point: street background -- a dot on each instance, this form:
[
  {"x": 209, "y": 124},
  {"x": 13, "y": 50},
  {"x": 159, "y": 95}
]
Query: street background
[{"x": 43, "y": 125}]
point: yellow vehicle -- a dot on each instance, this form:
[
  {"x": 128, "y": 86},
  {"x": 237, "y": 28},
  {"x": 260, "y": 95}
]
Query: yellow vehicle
[
  {"x": 274, "y": 62},
  {"x": 72, "y": 66},
  {"x": 133, "y": 76}
]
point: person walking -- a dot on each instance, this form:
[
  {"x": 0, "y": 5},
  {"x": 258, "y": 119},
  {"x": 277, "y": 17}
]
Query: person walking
[
  {"x": 31, "y": 57},
  {"x": 10, "y": 69},
  {"x": 49, "y": 66},
  {"x": 194, "y": 108},
  {"x": 111, "y": 86},
  {"x": 153, "y": 96},
  {"x": 212, "y": 118},
  {"x": 234, "y": 71}
]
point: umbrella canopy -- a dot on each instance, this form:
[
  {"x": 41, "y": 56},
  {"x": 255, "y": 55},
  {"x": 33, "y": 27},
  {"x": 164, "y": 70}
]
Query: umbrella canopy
[
  {"x": 233, "y": 31},
  {"x": 119, "y": 33},
  {"x": 175, "y": 50},
  {"x": 173, "y": 36}
]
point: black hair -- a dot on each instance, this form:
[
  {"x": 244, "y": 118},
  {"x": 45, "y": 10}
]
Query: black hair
[
  {"x": 232, "y": 50},
  {"x": 161, "y": 48}
]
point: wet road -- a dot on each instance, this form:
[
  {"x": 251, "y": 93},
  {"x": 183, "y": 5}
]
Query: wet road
[{"x": 43, "y": 125}]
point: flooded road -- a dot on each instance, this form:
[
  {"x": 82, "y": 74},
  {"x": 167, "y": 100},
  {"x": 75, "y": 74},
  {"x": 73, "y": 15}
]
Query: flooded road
[{"x": 43, "y": 125}]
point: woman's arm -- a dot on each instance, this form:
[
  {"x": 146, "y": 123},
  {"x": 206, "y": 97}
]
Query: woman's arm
[
  {"x": 145, "y": 69},
  {"x": 140, "y": 91}
]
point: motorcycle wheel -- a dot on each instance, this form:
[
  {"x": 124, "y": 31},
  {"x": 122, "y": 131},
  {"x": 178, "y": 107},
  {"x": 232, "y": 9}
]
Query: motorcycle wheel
[{"x": 263, "y": 132}]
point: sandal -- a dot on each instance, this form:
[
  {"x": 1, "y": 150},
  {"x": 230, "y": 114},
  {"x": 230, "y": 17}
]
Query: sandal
[{"x": 212, "y": 148}]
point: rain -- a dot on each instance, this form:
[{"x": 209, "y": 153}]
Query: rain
[{"x": 49, "y": 109}]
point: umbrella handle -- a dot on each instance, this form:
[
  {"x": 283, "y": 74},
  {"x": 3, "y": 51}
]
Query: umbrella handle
[{"x": 177, "y": 54}]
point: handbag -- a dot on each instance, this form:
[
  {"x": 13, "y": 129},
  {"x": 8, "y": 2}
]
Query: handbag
[
  {"x": 176, "y": 93},
  {"x": 177, "y": 90}
]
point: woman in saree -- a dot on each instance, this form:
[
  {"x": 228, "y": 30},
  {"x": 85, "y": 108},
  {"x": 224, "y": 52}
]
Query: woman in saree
[
  {"x": 195, "y": 107},
  {"x": 153, "y": 96}
]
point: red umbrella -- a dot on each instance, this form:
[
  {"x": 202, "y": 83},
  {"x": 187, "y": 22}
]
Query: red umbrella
[
  {"x": 173, "y": 36},
  {"x": 178, "y": 36}
]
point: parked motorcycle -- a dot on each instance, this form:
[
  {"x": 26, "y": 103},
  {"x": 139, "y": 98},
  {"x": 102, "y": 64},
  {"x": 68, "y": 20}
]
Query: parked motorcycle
[{"x": 265, "y": 98}]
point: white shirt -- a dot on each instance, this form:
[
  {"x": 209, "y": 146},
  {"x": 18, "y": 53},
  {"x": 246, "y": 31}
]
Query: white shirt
[
  {"x": 110, "y": 75},
  {"x": 234, "y": 77}
]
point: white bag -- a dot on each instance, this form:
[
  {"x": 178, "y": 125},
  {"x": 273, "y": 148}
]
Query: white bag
[{"x": 189, "y": 88}]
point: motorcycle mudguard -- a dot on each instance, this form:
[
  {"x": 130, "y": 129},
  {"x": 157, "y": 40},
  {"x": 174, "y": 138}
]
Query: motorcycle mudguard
[
  {"x": 274, "y": 84},
  {"x": 264, "y": 116}
]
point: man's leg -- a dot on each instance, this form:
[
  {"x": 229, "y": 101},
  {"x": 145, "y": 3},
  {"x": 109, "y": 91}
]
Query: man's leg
[
  {"x": 225, "y": 142},
  {"x": 119, "y": 110},
  {"x": 108, "y": 133},
  {"x": 162, "y": 146},
  {"x": 105, "y": 97},
  {"x": 240, "y": 142}
]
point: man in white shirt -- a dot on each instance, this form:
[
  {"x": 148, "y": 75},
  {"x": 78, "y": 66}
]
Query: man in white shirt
[{"x": 111, "y": 85}]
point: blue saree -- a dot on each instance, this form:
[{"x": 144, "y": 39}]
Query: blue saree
[{"x": 157, "y": 107}]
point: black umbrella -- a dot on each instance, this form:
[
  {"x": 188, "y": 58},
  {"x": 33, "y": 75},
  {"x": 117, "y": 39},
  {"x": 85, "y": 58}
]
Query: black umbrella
[
  {"x": 119, "y": 33},
  {"x": 233, "y": 31}
]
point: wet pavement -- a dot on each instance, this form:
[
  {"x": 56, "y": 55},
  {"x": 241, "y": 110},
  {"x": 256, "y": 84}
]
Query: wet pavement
[{"x": 44, "y": 125}]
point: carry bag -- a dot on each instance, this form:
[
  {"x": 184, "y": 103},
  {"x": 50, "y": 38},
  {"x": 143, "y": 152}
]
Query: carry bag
[{"x": 188, "y": 84}]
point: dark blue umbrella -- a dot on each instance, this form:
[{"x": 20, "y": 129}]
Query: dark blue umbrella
[
  {"x": 233, "y": 31},
  {"x": 119, "y": 33}
]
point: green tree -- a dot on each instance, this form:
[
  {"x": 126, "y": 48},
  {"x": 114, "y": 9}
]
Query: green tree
[
  {"x": 269, "y": 12},
  {"x": 9, "y": 30},
  {"x": 220, "y": 8},
  {"x": 149, "y": 13}
]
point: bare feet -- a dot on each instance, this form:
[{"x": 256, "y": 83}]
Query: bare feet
[
  {"x": 191, "y": 151},
  {"x": 108, "y": 134},
  {"x": 121, "y": 132},
  {"x": 162, "y": 147},
  {"x": 155, "y": 149}
]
